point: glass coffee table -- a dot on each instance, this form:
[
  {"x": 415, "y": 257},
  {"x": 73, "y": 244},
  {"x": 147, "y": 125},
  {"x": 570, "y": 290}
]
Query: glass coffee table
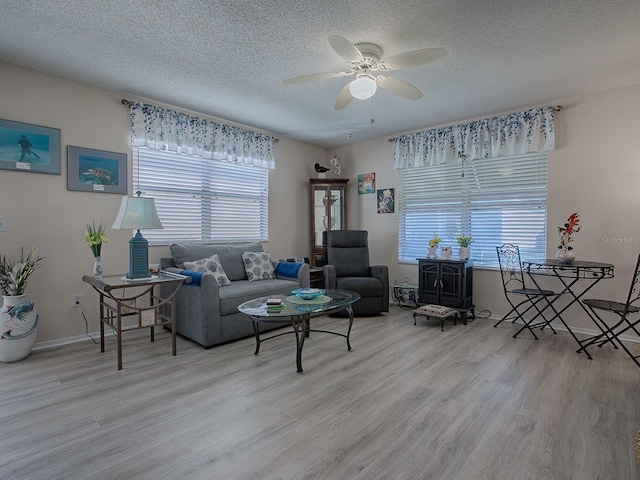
[{"x": 297, "y": 313}]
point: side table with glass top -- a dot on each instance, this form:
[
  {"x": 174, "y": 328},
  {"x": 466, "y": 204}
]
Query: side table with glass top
[{"x": 137, "y": 300}]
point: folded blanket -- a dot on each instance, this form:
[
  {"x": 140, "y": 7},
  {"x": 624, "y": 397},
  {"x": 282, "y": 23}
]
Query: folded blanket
[
  {"x": 288, "y": 269},
  {"x": 196, "y": 277}
]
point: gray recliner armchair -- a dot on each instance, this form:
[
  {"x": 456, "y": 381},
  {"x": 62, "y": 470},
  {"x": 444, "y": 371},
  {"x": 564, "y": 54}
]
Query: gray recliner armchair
[{"x": 348, "y": 269}]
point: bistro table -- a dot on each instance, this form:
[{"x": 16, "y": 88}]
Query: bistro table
[{"x": 577, "y": 278}]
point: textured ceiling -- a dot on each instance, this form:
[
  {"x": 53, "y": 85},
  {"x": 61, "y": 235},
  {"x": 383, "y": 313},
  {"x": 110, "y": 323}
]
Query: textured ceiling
[{"x": 228, "y": 58}]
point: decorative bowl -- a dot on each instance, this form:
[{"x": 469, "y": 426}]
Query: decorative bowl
[{"x": 308, "y": 293}]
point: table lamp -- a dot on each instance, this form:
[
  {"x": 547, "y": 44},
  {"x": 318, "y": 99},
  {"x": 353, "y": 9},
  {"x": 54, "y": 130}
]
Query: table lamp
[{"x": 137, "y": 213}]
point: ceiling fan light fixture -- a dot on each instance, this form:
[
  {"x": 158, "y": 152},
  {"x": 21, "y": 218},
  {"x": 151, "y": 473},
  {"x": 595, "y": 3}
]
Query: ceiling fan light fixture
[{"x": 363, "y": 87}]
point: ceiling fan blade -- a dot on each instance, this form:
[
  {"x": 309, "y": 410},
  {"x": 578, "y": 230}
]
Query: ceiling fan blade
[
  {"x": 344, "y": 97},
  {"x": 412, "y": 59},
  {"x": 315, "y": 76},
  {"x": 399, "y": 87},
  {"x": 345, "y": 49}
]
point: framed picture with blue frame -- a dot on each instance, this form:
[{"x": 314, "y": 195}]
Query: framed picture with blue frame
[
  {"x": 29, "y": 148},
  {"x": 99, "y": 171}
]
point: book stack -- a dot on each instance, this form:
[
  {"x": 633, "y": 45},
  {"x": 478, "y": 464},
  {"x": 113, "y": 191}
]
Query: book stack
[{"x": 275, "y": 303}]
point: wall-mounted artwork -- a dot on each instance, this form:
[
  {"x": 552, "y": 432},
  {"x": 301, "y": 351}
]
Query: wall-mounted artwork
[
  {"x": 91, "y": 170},
  {"x": 385, "y": 200},
  {"x": 366, "y": 183},
  {"x": 29, "y": 148}
]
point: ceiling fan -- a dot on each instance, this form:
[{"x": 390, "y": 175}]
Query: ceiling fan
[{"x": 363, "y": 59}]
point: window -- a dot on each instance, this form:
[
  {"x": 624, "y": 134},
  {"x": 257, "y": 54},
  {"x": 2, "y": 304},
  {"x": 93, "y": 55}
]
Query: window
[
  {"x": 499, "y": 200},
  {"x": 202, "y": 200}
]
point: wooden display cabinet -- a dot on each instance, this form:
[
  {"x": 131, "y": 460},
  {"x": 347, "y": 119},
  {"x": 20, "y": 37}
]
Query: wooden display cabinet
[{"x": 328, "y": 212}]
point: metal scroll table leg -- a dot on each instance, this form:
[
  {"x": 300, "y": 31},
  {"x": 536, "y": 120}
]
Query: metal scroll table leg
[
  {"x": 299, "y": 327},
  {"x": 256, "y": 330},
  {"x": 350, "y": 310}
]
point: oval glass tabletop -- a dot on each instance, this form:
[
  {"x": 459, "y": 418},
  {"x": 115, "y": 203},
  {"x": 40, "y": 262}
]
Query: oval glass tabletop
[{"x": 295, "y": 306}]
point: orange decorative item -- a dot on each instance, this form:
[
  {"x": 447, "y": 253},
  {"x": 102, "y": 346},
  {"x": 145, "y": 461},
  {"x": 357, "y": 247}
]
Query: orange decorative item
[{"x": 565, "y": 252}]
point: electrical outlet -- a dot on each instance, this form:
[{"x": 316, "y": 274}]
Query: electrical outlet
[{"x": 77, "y": 300}]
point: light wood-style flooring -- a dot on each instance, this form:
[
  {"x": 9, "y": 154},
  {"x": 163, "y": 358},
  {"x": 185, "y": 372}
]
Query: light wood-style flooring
[{"x": 408, "y": 402}]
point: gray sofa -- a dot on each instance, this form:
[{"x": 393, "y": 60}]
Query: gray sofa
[{"x": 207, "y": 313}]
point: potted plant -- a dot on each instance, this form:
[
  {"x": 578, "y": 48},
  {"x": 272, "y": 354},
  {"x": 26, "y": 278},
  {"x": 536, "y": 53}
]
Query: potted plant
[
  {"x": 18, "y": 318},
  {"x": 464, "y": 241},
  {"x": 15, "y": 273}
]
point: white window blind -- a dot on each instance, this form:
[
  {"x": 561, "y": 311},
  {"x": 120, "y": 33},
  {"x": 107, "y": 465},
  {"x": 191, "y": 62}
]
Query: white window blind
[
  {"x": 499, "y": 200},
  {"x": 200, "y": 199}
]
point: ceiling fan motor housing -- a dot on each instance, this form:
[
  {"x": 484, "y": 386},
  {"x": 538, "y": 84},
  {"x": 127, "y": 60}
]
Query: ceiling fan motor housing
[{"x": 371, "y": 54}]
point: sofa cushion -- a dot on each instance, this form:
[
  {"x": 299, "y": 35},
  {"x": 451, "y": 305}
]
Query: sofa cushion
[
  {"x": 211, "y": 264},
  {"x": 230, "y": 255},
  {"x": 243, "y": 290},
  {"x": 258, "y": 266}
]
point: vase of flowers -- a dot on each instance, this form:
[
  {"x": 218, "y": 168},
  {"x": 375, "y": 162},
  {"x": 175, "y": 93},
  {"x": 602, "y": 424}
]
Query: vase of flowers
[
  {"x": 433, "y": 246},
  {"x": 565, "y": 253},
  {"x": 464, "y": 252},
  {"x": 95, "y": 236},
  {"x": 18, "y": 318}
]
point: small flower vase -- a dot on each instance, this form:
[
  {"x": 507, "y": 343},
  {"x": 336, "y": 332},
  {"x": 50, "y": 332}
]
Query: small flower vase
[
  {"x": 432, "y": 252},
  {"x": 97, "y": 268},
  {"x": 564, "y": 255},
  {"x": 445, "y": 252},
  {"x": 464, "y": 253}
]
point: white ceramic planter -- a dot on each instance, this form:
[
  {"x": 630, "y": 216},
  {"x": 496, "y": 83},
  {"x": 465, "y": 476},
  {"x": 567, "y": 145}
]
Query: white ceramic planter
[{"x": 18, "y": 328}]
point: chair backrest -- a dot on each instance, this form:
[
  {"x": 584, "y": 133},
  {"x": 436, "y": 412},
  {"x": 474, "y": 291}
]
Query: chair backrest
[
  {"x": 633, "y": 299},
  {"x": 510, "y": 266},
  {"x": 348, "y": 251}
]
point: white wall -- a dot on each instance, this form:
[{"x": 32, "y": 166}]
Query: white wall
[
  {"x": 593, "y": 171},
  {"x": 41, "y": 211}
]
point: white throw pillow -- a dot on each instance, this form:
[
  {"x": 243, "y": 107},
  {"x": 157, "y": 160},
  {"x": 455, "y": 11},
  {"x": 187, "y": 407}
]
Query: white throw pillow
[
  {"x": 258, "y": 265},
  {"x": 212, "y": 265}
]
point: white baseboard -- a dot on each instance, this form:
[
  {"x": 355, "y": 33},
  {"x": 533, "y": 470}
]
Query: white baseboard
[{"x": 64, "y": 341}]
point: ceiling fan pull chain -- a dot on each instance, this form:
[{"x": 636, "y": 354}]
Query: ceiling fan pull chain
[{"x": 372, "y": 119}]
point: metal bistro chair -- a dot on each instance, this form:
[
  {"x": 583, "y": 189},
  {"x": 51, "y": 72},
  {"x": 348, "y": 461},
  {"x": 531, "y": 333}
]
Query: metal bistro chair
[
  {"x": 626, "y": 311},
  {"x": 514, "y": 286}
]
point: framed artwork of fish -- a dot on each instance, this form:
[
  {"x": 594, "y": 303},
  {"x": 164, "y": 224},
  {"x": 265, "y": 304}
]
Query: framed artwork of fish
[
  {"x": 90, "y": 170},
  {"x": 29, "y": 148}
]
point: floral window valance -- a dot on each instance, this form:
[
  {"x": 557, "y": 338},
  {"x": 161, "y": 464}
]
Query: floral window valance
[
  {"x": 513, "y": 134},
  {"x": 162, "y": 129}
]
